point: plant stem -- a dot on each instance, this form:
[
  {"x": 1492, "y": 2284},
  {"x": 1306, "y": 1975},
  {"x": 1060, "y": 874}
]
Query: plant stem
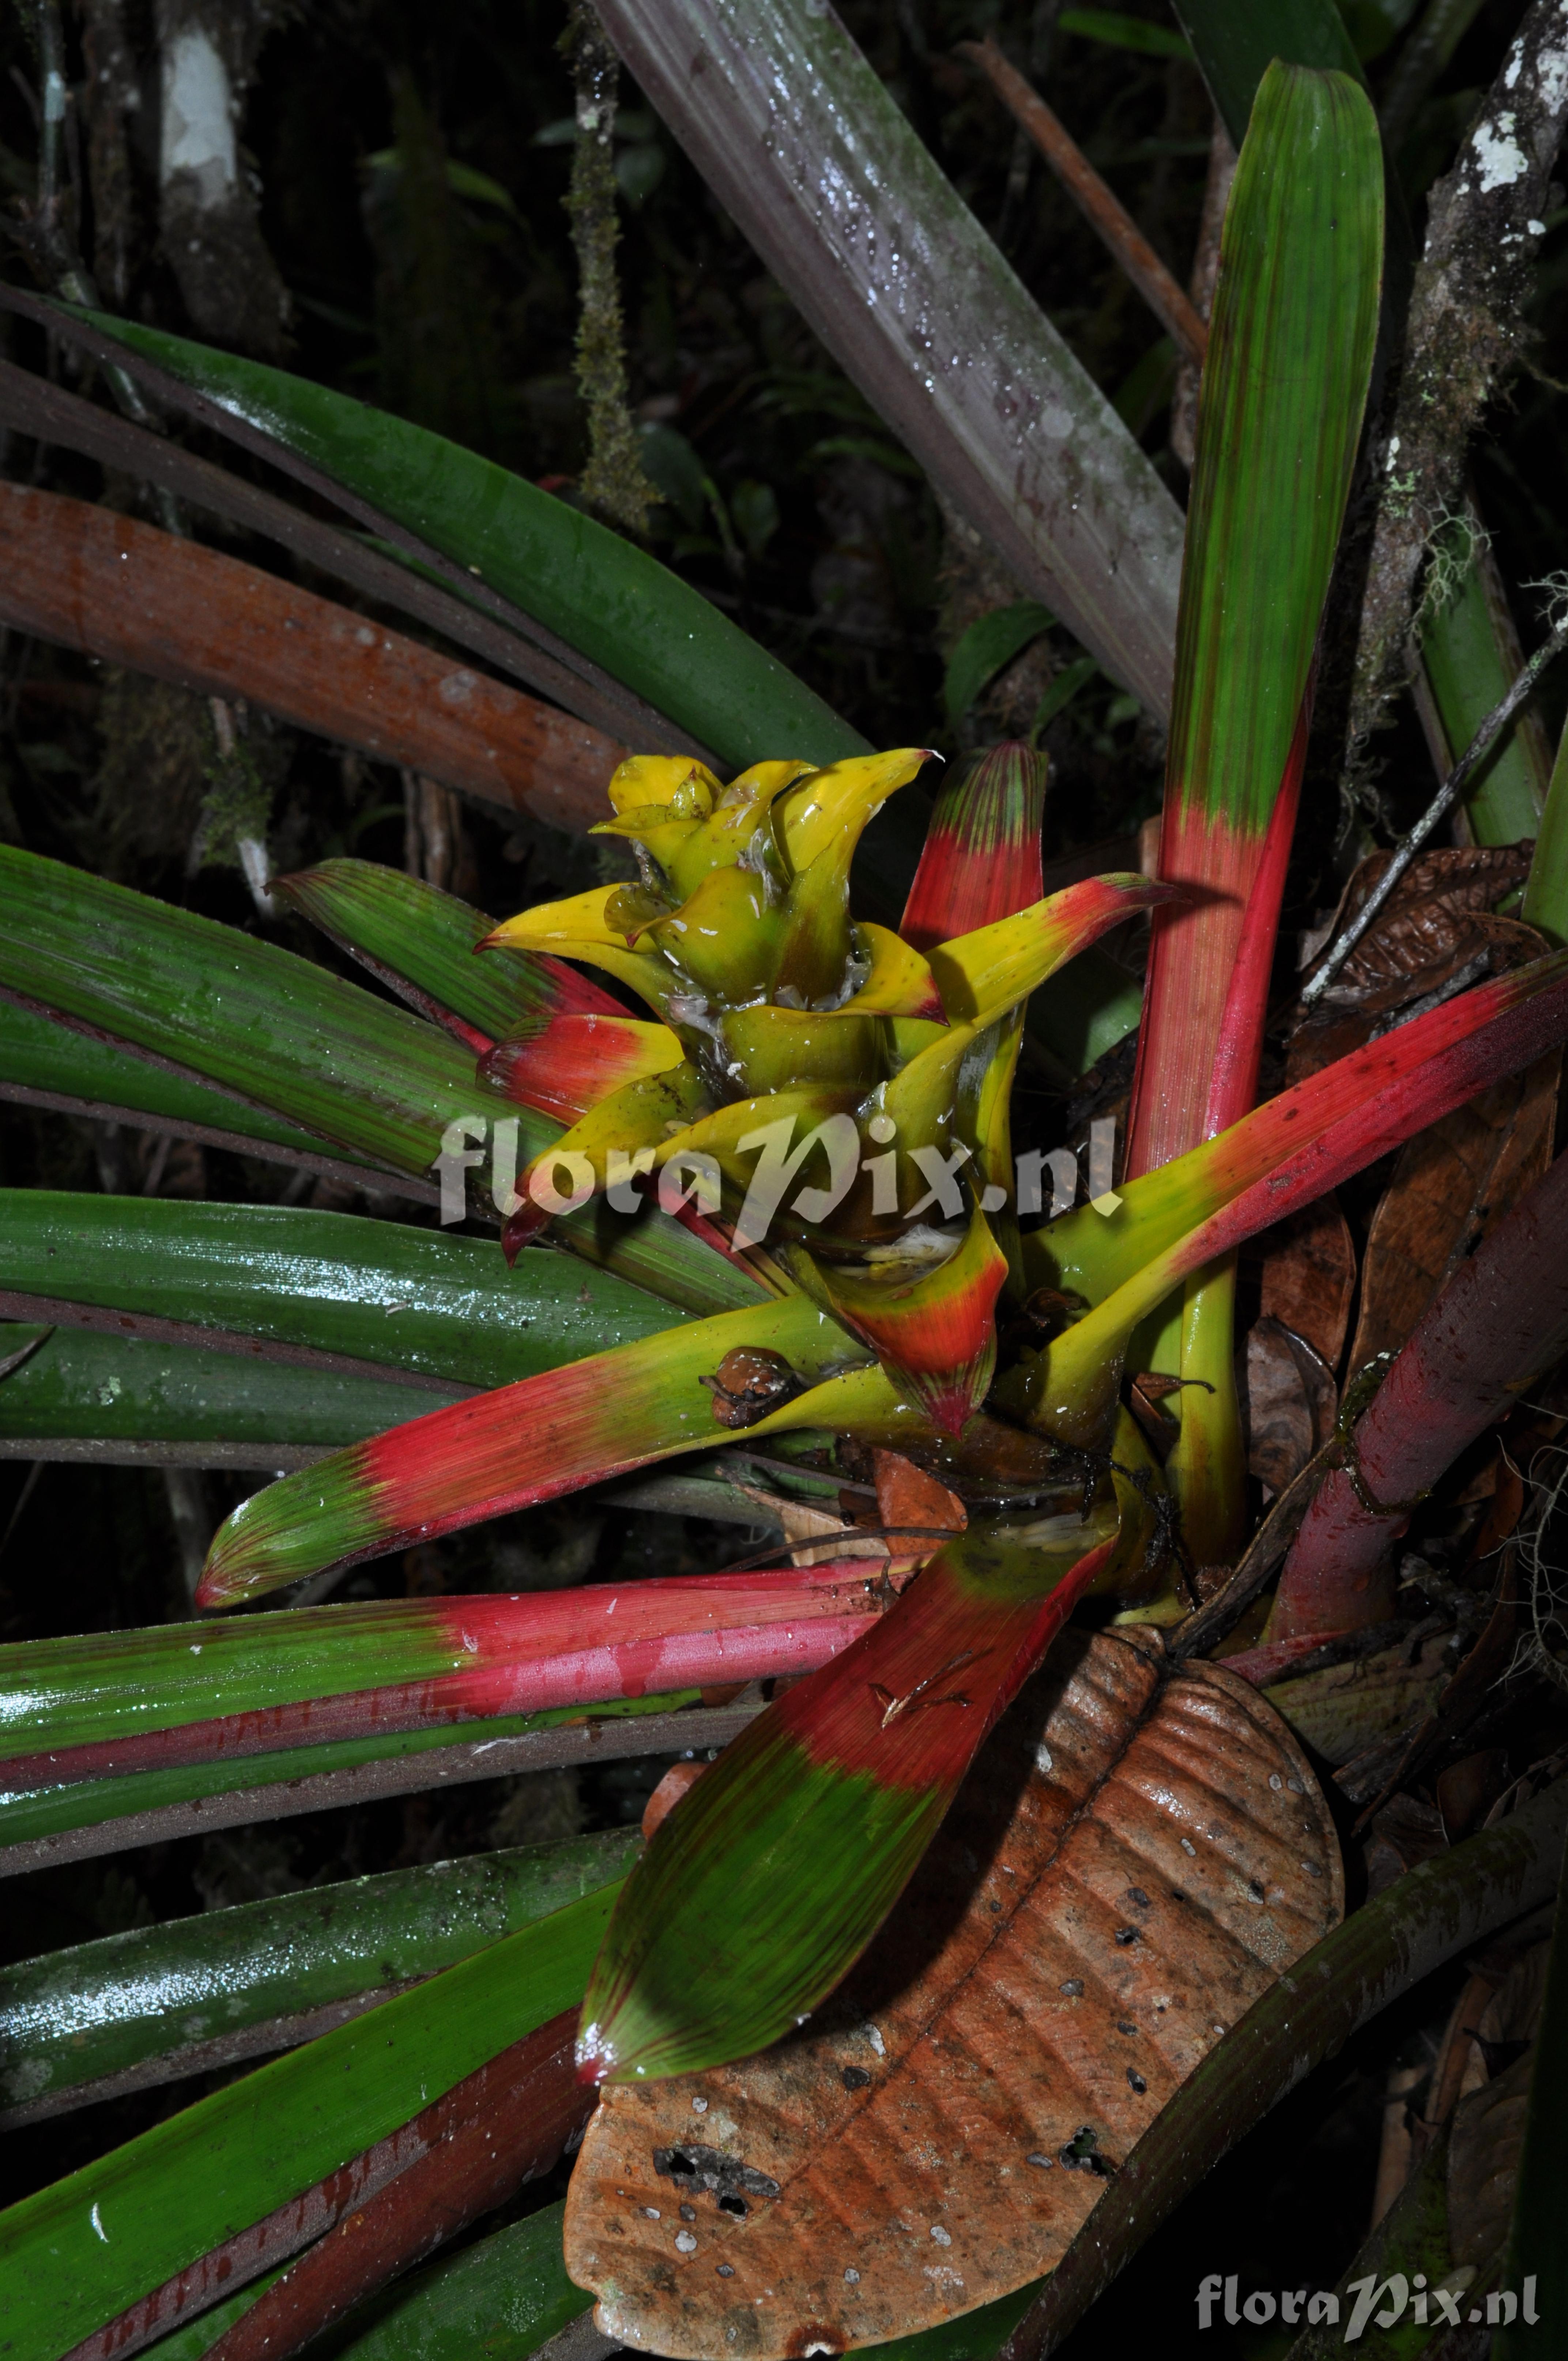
[{"x": 1165, "y": 299}]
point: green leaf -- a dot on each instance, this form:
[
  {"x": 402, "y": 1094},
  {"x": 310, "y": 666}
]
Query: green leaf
[
  {"x": 285, "y": 1034},
  {"x": 1471, "y": 653},
  {"x": 230, "y": 1983},
  {"x": 78, "y": 2253},
  {"x": 45, "y": 1060},
  {"x": 1060, "y": 694},
  {"x": 608, "y": 599},
  {"x": 1284, "y": 388},
  {"x": 1123, "y": 32},
  {"x": 421, "y": 943},
  {"x": 1234, "y": 41},
  {"x": 186, "y": 1405},
  {"x": 32, "y": 1815},
  {"x": 1081, "y": 1012},
  {"x": 444, "y": 1307},
  {"x": 514, "y": 1448},
  {"x": 988, "y": 643}
]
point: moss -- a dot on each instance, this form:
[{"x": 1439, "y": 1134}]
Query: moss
[{"x": 613, "y": 481}]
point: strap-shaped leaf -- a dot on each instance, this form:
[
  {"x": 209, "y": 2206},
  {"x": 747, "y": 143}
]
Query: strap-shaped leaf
[
  {"x": 285, "y": 1034},
  {"x": 75, "y": 1818},
  {"x": 44, "y": 1063},
  {"x": 506, "y": 1450},
  {"x": 438, "y": 1307},
  {"x": 1284, "y": 387},
  {"x": 607, "y": 598},
  {"x": 83, "y": 1706},
  {"x": 504, "y": 2297},
  {"x": 810, "y": 153},
  {"x": 129, "y": 593},
  {"x": 421, "y": 942},
  {"x": 157, "y": 2003},
  {"x": 81, "y": 2251},
  {"x": 763, "y": 1889},
  {"x": 121, "y": 1400}
]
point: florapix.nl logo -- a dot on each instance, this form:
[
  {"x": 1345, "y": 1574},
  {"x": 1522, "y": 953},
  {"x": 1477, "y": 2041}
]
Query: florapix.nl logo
[
  {"x": 811, "y": 1175},
  {"x": 1370, "y": 2302}
]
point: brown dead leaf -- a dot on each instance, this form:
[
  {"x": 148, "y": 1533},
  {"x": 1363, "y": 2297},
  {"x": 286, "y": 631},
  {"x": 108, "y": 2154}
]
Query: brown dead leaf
[
  {"x": 1429, "y": 926},
  {"x": 1451, "y": 1186},
  {"x": 907, "y": 1499},
  {"x": 1139, "y": 1856},
  {"x": 1308, "y": 1277},
  {"x": 1288, "y": 1403},
  {"x": 1347, "y": 1708},
  {"x": 1439, "y": 919}
]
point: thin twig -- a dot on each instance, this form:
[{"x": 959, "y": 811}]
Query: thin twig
[
  {"x": 1447, "y": 795},
  {"x": 1162, "y": 293}
]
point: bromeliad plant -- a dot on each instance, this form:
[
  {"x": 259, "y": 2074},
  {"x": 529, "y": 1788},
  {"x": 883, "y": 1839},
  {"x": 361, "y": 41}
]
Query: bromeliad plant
[{"x": 791, "y": 1192}]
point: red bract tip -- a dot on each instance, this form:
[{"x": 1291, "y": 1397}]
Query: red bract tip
[{"x": 521, "y": 1228}]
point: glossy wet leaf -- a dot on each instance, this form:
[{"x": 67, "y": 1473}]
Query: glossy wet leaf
[
  {"x": 82, "y": 2250},
  {"x": 440, "y": 1307},
  {"x": 507, "y": 1449},
  {"x": 600, "y": 593},
  {"x": 80, "y": 1707},
  {"x": 123, "y": 1399},
  {"x": 158, "y": 2003},
  {"x": 284, "y": 1034},
  {"x": 849, "y": 211},
  {"x": 44, "y": 1063},
  {"x": 1137, "y": 1863},
  {"x": 421, "y": 943}
]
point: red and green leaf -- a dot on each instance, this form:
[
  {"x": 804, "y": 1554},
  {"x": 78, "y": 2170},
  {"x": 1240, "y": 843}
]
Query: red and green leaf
[
  {"x": 772, "y": 1875},
  {"x": 980, "y": 859},
  {"x": 1284, "y": 387},
  {"x": 506, "y": 1450},
  {"x": 420, "y": 943},
  {"x": 122, "y": 1701}
]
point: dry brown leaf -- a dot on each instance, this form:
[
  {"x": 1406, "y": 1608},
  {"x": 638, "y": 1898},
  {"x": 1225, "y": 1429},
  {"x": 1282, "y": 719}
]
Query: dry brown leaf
[
  {"x": 1308, "y": 1277},
  {"x": 1138, "y": 1857},
  {"x": 1429, "y": 927},
  {"x": 1346, "y": 1708},
  {"x": 1451, "y": 1186},
  {"x": 907, "y": 1499},
  {"x": 1288, "y": 1403}
]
